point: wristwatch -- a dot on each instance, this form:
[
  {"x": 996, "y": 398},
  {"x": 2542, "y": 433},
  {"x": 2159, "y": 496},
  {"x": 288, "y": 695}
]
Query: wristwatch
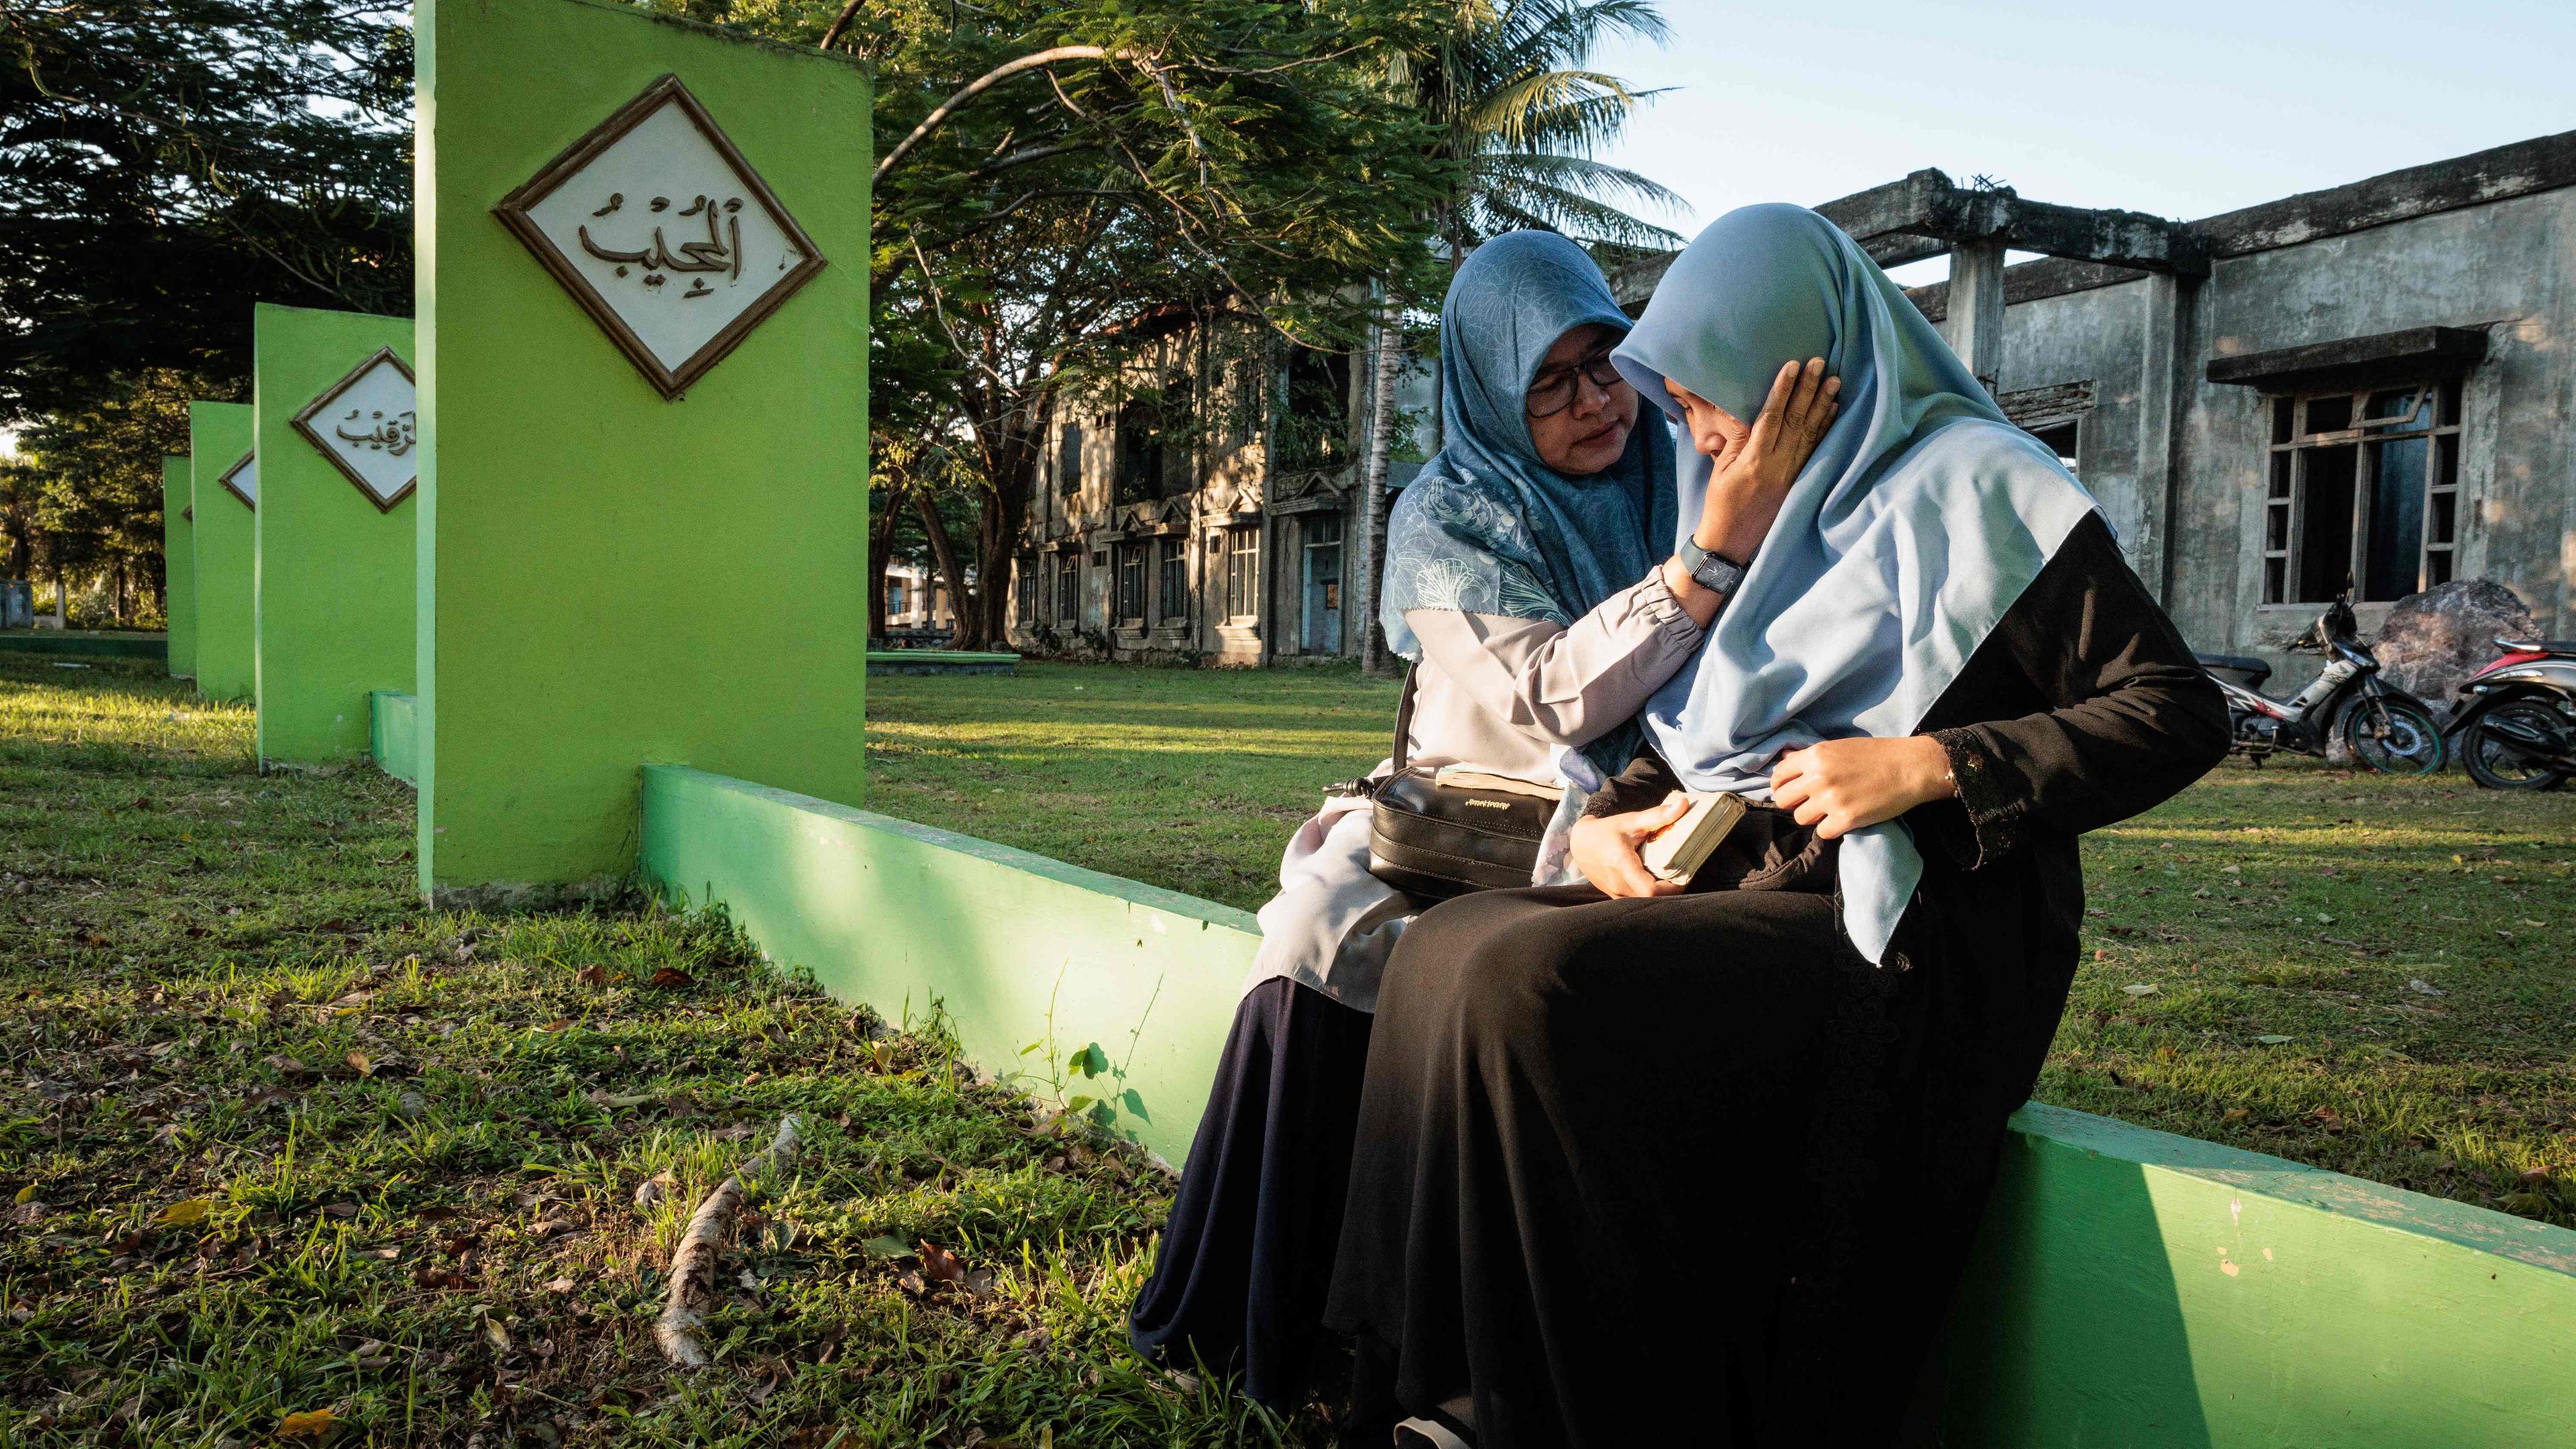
[{"x": 1713, "y": 572}]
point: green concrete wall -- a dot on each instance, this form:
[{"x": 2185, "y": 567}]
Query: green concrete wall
[
  {"x": 607, "y": 577},
  {"x": 393, "y": 735},
  {"x": 179, "y": 565},
  {"x": 893, "y": 913},
  {"x": 227, "y": 543},
  {"x": 2138, "y": 1288},
  {"x": 2132, "y": 1287},
  {"x": 336, "y": 586}
]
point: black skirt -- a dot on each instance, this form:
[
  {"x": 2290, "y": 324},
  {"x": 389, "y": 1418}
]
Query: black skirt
[
  {"x": 1239, "y": 1285},
  {"x": 1638, "y": 1171}
]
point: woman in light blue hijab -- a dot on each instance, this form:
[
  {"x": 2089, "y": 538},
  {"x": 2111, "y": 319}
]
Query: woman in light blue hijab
[
  {"x": 1530, "y": 578},
  {"x": 1644, "y": 1164}
]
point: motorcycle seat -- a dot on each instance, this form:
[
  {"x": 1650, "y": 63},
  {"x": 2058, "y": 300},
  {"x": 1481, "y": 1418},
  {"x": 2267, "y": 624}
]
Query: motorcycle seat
[
  {"x": 2536, "y": 646},
  {"x": 2254, "y": 670}
]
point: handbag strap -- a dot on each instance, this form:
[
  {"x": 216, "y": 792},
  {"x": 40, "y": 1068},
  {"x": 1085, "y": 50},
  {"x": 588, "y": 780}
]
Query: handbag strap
[{"x": 1404, "y": 719}]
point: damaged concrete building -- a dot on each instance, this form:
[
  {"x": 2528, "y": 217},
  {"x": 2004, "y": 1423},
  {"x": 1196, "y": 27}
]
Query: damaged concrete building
[{"x": 2374, "y": 382}]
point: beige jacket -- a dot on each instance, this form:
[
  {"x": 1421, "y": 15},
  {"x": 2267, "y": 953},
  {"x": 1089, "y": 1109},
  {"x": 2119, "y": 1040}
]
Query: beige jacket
[{"x": 1502, "y": 694}]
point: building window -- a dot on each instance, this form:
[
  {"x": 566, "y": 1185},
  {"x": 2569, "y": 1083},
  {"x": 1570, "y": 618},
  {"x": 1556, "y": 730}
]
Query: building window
[
  {"x": 1068, "y": 460},
  {"x": 1321, "y": 592},
  {"x": 1131, "y": 583},
  {"x": 894, "y": 598},
  {"x": 1028, "y": 589},
  {"x": 2362, "y": 491},
  {"x": 1141, "y": 460},
  {"x": 1242, "y": 572},
  {"x": 2061, "y": 438},
  {"x": 1314, "y": 416},
  {"x": 1173, "y": 563},
  {"x": 1068, "y": 589}
]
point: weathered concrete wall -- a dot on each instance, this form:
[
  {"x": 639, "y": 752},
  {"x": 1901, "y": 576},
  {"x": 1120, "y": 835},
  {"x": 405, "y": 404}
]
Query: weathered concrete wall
[
  {"x": 2098, "y": 337},
  {"x": 2508, "y": 267}
]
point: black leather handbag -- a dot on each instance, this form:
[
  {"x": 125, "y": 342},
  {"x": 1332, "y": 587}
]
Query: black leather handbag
[{"x": 1435, "y": 840}]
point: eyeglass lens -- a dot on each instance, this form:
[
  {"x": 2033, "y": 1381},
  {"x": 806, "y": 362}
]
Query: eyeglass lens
[{"x": 1553, "y": 391}]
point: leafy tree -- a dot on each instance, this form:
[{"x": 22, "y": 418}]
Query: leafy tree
[
  {"x": 1060, "y": 180},
  {"x": 166, "y": 163},
  {"x": 97, "y": 477},
  {"x": 1524, "y": 117}
]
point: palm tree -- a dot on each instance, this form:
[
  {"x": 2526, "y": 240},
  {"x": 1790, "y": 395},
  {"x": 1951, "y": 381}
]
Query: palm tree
[{"x": 1524, "y": 117}]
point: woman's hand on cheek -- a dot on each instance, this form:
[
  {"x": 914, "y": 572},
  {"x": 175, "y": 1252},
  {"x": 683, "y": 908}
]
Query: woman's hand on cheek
[
  {"x": 1755, "y": 465},
  {"x": 1840, "y": 786},
  {"x": 1606, "y": 849}
]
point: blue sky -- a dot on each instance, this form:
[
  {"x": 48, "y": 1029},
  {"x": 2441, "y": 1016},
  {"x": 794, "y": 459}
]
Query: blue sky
[{"x": 2183, "y": 110}]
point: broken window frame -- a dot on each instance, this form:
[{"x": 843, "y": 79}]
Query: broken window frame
[{"x": 2290, "y": 459}]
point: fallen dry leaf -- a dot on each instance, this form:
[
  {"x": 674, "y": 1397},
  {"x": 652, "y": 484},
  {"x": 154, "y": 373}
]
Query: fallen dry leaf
[
  {"x": 593, "y": 975},
  {"x": 360, "y": 1063},
  {"x": 184, "y": 1214},
  {"x": 672, "y": 979},
  {"x": 311, "y": 1424},
  {"x": 941, "y": 1264}
]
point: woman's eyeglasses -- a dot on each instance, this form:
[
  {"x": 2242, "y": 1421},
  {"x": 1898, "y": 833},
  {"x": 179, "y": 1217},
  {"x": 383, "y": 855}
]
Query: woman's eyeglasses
[{"x": 1552, "y": 391}]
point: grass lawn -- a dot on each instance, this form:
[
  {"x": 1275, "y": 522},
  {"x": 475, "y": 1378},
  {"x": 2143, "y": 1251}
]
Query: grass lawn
[
  {"x": 275, "y": 1141},
  {"x": 2368, "y": 974}
]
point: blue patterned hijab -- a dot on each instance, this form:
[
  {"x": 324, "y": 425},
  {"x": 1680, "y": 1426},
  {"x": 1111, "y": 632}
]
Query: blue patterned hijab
[
  {"x": 1486, "y": 528},
  {"x": 1920, "y": 519}
]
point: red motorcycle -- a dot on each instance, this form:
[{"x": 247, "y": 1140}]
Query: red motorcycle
[{"x": 2517, "y": 717}]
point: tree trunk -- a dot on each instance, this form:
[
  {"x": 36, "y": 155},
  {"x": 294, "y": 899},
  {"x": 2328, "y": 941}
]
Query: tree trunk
[
  {"x": 1011, "y": 462},
  {"x": 1368, "y": 567},
  {"x": 880, "y": 557},
  {"x": 965, "y": 636}
]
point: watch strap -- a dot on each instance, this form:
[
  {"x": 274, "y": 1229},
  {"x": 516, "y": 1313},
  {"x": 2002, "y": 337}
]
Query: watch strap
[{"x": 1710, "y": 571}]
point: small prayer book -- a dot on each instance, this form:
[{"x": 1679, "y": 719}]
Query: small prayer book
[{"x": 1676, "y": 852}]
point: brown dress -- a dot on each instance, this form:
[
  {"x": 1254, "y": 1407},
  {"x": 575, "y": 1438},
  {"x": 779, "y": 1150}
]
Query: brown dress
[{"x": 1690, "y": 1170}]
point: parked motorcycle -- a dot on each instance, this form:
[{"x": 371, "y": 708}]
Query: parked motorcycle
[
  {"x": 2517, "y": 717},
  {"x": 2383, "y": 727}
]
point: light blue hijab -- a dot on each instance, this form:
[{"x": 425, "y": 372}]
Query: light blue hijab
[
  {"x": 1486, "y": 528},
  {"x": 1920, "y": 519}
]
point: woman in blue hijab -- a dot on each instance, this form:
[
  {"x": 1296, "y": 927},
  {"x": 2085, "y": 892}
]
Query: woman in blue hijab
[
  {"x": 1531, "y": 578},
  {"x": 1645, "y": 1165}
]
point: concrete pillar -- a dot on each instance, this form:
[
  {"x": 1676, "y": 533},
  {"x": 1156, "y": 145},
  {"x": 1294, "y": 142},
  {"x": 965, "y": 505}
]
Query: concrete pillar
[
  {"x": 2164, "y": 384},
  {"x": 1975, "y": 327}
]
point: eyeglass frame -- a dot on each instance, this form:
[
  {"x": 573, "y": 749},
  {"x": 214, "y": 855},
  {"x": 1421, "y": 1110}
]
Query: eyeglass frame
[{"x": 1589, "y": 368}]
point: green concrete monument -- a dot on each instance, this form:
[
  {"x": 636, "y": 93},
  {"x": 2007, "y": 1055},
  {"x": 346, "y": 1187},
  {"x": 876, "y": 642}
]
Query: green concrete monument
[
  {"x": 179, "y": 564},
  {"x": 224, "y": 484},
  {"x": 339, "y": 455},
  {"x": 643, "y": 260}
]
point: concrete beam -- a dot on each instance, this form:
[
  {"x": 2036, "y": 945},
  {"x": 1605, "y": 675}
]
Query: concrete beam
[
  {"x": 1926, "y": 213},
  {"x": 1975, "y": 327}
]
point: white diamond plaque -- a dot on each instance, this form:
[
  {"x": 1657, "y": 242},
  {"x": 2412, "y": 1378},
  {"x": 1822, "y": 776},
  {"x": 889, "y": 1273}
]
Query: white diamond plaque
[
  {"x": 368, "y": 426},
  {"x": 661, "y": 230},
  {"x": 243, "y": 479}
]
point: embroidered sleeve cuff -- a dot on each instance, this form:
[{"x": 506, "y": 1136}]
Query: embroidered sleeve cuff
[{"x": 1993, "y": 808}]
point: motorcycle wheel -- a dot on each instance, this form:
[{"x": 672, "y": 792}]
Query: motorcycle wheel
[
  {"x": 2497, "y": 763},
  {"x": 2411, "y": 746}
]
